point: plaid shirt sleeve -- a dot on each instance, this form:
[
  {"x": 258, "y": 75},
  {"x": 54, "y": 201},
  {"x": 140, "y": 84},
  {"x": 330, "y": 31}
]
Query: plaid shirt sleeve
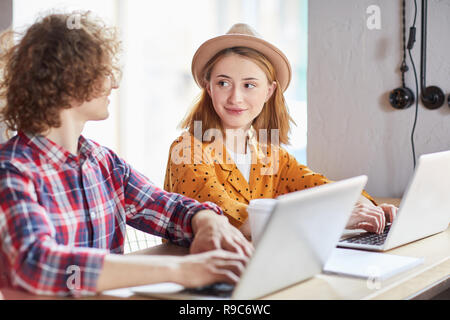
[
  {"x": 30, "y": 238},
  {"x": 28, "y": 247},
  {"x": 156, "y": 211}
]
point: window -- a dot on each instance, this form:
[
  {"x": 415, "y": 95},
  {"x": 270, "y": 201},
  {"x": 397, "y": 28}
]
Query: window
[{"x": 158, "y": 88}]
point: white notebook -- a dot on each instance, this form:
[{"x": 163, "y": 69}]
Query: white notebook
[{"x": 365, "y": 264}]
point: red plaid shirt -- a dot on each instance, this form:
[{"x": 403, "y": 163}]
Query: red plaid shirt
[{"x": 61, "y": 214}]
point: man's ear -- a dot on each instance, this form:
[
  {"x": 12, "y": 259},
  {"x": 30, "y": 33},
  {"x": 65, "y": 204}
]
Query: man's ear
[
  {"x": 271, "y": 90},
  {"x": 75, "y": 103}
]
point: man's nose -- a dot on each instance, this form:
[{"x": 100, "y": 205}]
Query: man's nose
[{"x": 114, "y": 83}]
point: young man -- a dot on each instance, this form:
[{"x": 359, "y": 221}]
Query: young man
[{"x": 65, "y": 200}]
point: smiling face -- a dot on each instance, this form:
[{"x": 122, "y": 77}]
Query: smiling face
[{"x": 238, "y": 88}]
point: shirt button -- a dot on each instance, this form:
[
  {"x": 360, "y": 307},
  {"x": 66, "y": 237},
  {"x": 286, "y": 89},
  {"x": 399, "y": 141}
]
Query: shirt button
[{"x": 93, "y": 214}]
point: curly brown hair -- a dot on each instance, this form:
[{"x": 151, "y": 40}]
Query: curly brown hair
[{"x": 54, "y": 63}]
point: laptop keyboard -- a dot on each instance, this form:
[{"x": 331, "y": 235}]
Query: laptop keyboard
[
  {"x": 222, "y": 290},
  {"x": 369, "y": 238}
]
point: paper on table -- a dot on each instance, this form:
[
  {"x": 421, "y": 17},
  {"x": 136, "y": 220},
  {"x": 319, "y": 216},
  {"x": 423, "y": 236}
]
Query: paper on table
[{"x": 364, "y": 264}]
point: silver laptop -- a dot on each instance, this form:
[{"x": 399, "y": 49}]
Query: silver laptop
[
  {"x": 297, "y": 240},
  {"x": 424, "y": 209}
]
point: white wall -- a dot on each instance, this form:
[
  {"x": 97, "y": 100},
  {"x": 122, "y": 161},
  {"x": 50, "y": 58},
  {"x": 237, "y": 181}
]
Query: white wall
[{"x": 352, "y": 129}]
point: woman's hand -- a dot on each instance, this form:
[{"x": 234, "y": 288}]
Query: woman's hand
[
  {"x": 390, "y": 211},
  {"x": 209, "y": 267},
  {"x": 370, "y": 217}
]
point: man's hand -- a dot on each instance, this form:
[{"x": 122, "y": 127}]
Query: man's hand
[
  {"x": 212, "y": 232},
  {"x": 196, "y": 270},
  {"x": 246, "y": 231},
  {"x": 370, "y": 217}
]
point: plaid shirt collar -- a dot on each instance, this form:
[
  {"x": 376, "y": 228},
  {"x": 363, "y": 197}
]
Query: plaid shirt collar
[{"x": 56, "y": 154}]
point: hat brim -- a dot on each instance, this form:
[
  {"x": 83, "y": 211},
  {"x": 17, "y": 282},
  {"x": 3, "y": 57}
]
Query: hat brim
[{"x": 209, "y": 48}]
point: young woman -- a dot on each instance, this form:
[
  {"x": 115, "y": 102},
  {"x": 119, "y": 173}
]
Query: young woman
[
  {"x": 231, "y": 150},
  {"x": 65, "y": 200}
]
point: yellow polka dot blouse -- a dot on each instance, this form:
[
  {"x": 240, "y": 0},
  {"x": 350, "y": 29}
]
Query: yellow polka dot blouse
[{"x": 204, "y": 171}]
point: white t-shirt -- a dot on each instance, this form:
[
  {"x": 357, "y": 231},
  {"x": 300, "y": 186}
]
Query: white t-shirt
[{"x": 243, "y": 162}]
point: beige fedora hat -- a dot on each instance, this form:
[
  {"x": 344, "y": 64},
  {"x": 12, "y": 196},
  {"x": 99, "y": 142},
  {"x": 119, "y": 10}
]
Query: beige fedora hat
[{"x": 241, "y": 35}]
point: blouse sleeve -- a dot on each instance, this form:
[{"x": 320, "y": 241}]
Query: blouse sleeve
[{"x": 295, "y": 176}]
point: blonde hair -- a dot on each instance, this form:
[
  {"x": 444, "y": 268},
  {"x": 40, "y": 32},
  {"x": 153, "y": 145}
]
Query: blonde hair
[{"x": 274, "y": 114}]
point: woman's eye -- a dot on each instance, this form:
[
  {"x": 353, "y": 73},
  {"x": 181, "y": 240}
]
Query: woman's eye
[
  {"x": 250, "y": 85},
  {"x": 223, "y": 83}
]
